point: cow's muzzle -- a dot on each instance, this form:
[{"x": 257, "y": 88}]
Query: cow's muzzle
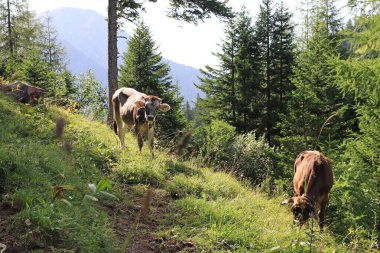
[{"x": 150, "y": 118}]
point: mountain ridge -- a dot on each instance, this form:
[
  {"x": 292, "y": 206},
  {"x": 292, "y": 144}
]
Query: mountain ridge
[{"x": 83, "y": 32}]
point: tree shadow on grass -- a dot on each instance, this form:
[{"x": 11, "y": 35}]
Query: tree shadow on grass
[{"x": 174, "y": 168}]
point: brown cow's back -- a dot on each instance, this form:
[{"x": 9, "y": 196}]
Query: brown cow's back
[
  {"x": 312, "y": 174},
  {"x": 130, "y": 96},
  {"x": 313, "y": 180}
]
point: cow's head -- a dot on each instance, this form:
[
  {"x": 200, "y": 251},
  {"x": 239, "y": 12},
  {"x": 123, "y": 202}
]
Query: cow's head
[
  {"x": 302, "y": 208},
  {"x": 148, "y": 107}
]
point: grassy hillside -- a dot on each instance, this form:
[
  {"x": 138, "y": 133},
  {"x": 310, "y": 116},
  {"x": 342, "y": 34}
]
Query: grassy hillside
[{"x": 160, "y": 205}]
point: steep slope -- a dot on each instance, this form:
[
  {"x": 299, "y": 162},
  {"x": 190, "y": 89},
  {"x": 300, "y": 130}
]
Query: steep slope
[
  {"x": 138, "y": 204},
  {"x": 84, "y": 34},
  {"x": 44, "y": 182}
]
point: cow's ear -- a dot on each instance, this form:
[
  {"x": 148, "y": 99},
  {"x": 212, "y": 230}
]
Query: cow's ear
[
  {"x": 164, "y": 107},
  {"x": 139, "y": 104},
  {"x": 287, "y": 201}
]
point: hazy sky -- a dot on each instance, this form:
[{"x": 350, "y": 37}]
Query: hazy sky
[{"x": 178, "y": 41}]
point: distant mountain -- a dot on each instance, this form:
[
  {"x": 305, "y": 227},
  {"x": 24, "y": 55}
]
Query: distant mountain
[
  {"x": 186, "y": 77},
  {"x": 84, "y": 34}
]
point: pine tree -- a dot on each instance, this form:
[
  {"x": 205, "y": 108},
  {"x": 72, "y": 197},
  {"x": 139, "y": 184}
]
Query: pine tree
[
  {"x": 52, "y": 50},
  {"x": 34, "y": 70},
  {"x": 189, "y": 112},
  {"x": 282, "y": 61},
  {"x": 26, "y": 32},
  {"x": 299, "y": 123},
  {"x": 219, "y": 84},
  {"x": 247, "y": 75},
  {"x": 306, "y": 10},
  {"x": 18, "y": 28},
  {"x": 274, "y": 36},
  {"x": 188, "y": 10},
  {"x": 358, "y": 170},
  {"x": 31, "y": 52},
  {"x": 315, "y": 100},
  {"x": 7, "y": 10},
  {"x": 63, "y": 87},
  {"x": 232, "y": 88},
  {"x": 144, "y": 70},
  {"x": 264, "y": 32},
  {"x": 68, "y": 80},
  {"x": 18, "y": 35}
]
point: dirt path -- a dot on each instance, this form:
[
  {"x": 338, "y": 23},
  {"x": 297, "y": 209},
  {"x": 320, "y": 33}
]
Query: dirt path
[
  {"x": 6, "y": 238},
  {"x": 136, "y": 221},
  {"x": 136, "y": 224}
]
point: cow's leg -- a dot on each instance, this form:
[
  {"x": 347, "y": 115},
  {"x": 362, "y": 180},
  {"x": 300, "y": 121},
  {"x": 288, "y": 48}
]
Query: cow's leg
[
  {"x": 140, "y": 141},
  {"x": 151, "y": 140},
  {"x": 122, "y": 135},
  {"x": 321, "y": 214}
]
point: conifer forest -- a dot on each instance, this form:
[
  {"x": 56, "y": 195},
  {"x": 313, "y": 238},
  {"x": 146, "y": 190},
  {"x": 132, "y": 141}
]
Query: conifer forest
[{"x": 285, "y": 81}]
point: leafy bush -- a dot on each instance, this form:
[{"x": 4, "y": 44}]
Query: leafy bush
[
  {"x": 92, "y": 97},
  {"x": 244, "y": 154},
  {"x": 214, "y": 142},
  {"x": 252, "y": 158},
  {"x": 354, "y": 200}
]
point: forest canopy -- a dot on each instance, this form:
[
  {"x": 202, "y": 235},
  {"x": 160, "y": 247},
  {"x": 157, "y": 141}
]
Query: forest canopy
[{"x": 279, "y": 88}]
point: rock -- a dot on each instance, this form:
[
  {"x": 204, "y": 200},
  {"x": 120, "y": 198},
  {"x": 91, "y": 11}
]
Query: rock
[{"x": 23, "y": 92}]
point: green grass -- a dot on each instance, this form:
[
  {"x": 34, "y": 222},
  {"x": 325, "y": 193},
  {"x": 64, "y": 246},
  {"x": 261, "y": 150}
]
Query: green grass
[
  {"x": 206, "y": 184},
  {"x": 214, "y": 210},
  {"x": 230, "y": 217},
  {"x": 33, "y": 163}
]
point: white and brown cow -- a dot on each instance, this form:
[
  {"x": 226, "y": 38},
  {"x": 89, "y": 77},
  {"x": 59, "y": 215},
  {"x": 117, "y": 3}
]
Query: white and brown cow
[
  {"x": 133, "y": 109},
  {"x": 312, "y": 181}
]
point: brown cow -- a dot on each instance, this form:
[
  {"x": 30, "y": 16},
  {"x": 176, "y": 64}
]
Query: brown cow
[
  {"x": 313, "y": 180},
  {"x": 138, "y": 110}
]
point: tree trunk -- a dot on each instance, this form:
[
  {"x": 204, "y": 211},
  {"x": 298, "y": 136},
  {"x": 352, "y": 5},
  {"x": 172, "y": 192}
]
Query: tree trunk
[
  {"x": 233, "y": 93},
  {"x": 268, "y": 81},
  {"x": 10, "y": 39},
  {"x": 112, "y": 56}
]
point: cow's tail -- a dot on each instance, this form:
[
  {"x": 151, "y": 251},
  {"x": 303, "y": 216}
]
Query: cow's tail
[{"x": 116, "y": 112}]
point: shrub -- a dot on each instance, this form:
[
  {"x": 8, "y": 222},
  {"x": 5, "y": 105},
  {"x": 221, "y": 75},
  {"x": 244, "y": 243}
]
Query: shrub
[
  {"x": 244, "y": 154},
  {"x": 92, "y": 97},
  {"x": 252, "y": 158},
  {"x": 214, "y": 142}
]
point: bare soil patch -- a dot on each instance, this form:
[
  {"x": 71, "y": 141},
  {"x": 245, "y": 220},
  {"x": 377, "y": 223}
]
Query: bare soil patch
[
  {"x": 6, "y": 236},
  {"x": 137, "y": 222}
]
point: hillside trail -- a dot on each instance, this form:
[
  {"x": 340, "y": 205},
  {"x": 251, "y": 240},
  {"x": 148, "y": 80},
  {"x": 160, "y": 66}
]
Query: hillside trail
[
  {"x": 6, "y": 238},
  {"x": 137, "y": 222}
]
